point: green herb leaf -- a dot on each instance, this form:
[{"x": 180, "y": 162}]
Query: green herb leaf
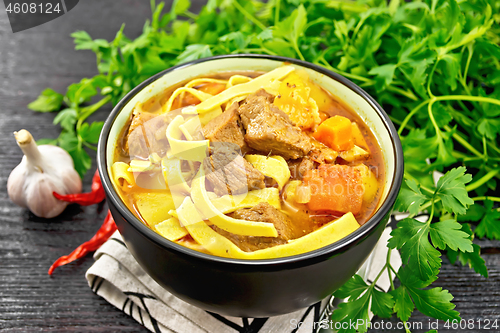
[
  {"x": 81, "y": 159},
  {"x": 352, "y": 288},
  {"x": 292, "y": 28},
  {"x": 79, "y": 93},
  {"x": 67, "y": 118},
  {"x": 382, "y": 304},
  {"x": 490, "y": 222},
  {"x": 403, "y": 305},
  {"x": 193, "y": 52},
  {"x": 180, "y": 6},
  {"x": 451, "y": 189},
  {"x": 48, "y": 101},
  {"x": 411, "y": 237},
  {"x": 471, "y": 259},
  {"x": 448, "y": 234},
  {"x": 91, "y": 133},
  {"x": 360, "y": 295},
  {"x": 434, "y": 302},
  {"x": 353, "y": 311},
  {"x": 474, "y": 214},
  {"x": 489, "y": 127},
  {"x": 83, "y": 41},
  {"x": 384, "y": 75},
  {"x": 411, "y": 199},
  {"x": 47, "y": 142}
]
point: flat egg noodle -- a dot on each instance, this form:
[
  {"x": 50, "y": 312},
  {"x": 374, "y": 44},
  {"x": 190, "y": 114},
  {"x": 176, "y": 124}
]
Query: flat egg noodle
[
  {"x": 269, "y": 80},
  {"x": 121, "y": 176},
  {"x": 235, "y": 226},
  {"x": 273, "y": 166}
]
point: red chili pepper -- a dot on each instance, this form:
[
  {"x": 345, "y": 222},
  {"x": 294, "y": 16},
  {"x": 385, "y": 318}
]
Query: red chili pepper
[
  {"x": 86, "y": 199},
  {"x": 101, "y": 236}
]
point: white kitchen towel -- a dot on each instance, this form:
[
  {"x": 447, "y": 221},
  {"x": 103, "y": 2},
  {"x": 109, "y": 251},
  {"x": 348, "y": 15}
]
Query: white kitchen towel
[{"x": 117, "y": 277}]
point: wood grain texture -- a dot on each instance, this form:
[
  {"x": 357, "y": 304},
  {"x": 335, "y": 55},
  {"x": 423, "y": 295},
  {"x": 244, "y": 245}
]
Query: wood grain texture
[{"x": 30, "y": 300}]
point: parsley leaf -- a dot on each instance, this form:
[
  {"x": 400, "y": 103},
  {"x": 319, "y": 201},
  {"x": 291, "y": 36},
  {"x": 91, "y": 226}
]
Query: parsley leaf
[
  {"x": 48, "y": 101},
  {"x": 448, "y": 234},
  {"x": 384, "y": 75},
  {"x": 83, "y": 41},
  {"x": 67, "y": 119},
  {"x": 292, "y": 28},
  {"x": 91, "y": 133},
  {"x": 193, "y": 52},
  {"x": 472, "y": 259},
  {"x": 451, "y": 190},
  {"x": 46, "y": 142},
  {"x": 79, "y": 93},
  {"x": 361, "y": 298},
  {"x": 353, "y": 311},
  {"x": 411, "y": 237},
  {"x": 69, "y": 142},
  {"x": 489, "y": 127},
  {"x": 411, "y": 199},
  {"x": 434, "y": 302},
  {"x": 490, "y": 222},
  {"x": 403, "y": 304},
  {"x": 382, "y": 304},
  {"x": 352, "y": 288}
]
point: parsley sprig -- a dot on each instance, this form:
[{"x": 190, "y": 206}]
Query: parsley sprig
[{"x": 434, "y": 65}]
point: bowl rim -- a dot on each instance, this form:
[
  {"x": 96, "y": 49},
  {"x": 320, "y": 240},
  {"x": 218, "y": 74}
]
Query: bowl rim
[{"x": 323, "y": 252}]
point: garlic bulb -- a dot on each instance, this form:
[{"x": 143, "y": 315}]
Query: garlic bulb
[{"x": 43, "y": 170}]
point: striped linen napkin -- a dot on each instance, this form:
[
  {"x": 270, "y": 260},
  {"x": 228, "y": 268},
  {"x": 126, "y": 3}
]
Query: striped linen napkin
[{"x": 117, "y": 277}]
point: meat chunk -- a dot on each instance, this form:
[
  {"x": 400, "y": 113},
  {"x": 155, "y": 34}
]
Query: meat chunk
[
  {"x": 299, "y": 167},
  {"x": 262, "y": 212},
  {"x": 138, "y": 119},
  {"x": 325, "y": 155},
  {"x": 269, "y": 129},
  {"x": 227, "y": 128},
  {"x": 321, "y": 153},
  {"x": 261, "y": 92},
  {"x": 146, "y": 134},
  {"x": 228, "y": 172}
]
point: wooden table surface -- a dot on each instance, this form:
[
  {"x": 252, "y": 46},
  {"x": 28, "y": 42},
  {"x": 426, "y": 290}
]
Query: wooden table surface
[{"x": 31, "y": 300}]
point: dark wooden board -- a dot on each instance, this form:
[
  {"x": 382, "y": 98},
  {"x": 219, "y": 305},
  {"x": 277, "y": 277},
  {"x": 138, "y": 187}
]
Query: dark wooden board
[{"x": 30, "y": 300}]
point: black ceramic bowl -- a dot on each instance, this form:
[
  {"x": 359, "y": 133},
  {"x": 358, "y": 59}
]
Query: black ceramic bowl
[{"x": 245, "y": 288}]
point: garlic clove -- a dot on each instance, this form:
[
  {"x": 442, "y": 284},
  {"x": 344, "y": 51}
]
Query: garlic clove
[
  {"x": 15, "y": 185},
  {"x": 43, "y": 170},
  {"x": 40, "y": 203}
]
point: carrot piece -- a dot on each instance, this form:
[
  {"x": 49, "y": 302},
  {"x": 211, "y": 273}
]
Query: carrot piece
[
  {"x": 336, "y": 188},
  {"x": 336, "y": 133},
  {"x": 189, "y": 99},
  {"x": 213, "y": 88}
]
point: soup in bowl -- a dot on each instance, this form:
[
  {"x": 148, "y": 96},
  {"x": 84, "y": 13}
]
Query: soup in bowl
[{"x": 250, "y": 185}]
